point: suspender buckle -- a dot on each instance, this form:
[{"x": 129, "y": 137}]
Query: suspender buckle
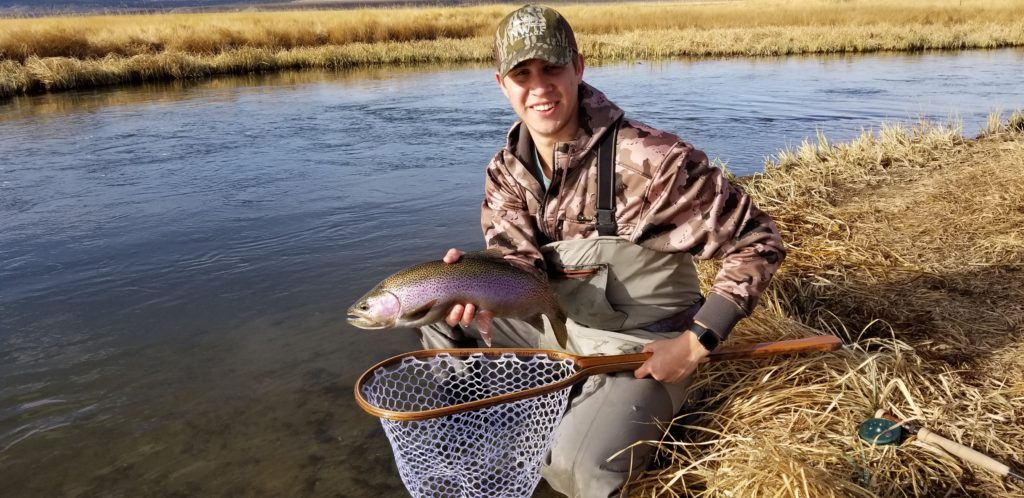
[{"x": 606, "y": 222}]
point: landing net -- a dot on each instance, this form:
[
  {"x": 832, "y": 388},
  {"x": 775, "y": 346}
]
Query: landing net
[{"x": 495, "y": 451}]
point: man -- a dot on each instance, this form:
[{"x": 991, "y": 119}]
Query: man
[{"x": 617, "y": 246}]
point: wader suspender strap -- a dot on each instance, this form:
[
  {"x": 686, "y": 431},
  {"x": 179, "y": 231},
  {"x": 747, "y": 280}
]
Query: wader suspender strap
[{"x": 606, "y": 182}]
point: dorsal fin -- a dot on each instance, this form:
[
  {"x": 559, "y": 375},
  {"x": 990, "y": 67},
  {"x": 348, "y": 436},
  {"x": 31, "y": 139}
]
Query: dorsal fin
[{"x": 491, "y": 254}]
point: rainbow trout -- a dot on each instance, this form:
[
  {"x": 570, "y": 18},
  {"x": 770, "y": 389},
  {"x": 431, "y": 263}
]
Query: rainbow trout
[{"x": 425, "y": 293}]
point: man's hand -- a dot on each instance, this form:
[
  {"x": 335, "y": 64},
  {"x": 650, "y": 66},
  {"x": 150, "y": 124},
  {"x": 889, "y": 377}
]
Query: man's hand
[
  {"x": 672, "y": 360},
  {"x": 464, "y": 313}
]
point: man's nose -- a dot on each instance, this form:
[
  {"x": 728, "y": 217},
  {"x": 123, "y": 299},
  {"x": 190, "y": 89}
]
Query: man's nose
[{"x": 540, "y": 84}]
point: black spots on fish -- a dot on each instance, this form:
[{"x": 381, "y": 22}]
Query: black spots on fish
[{"x": 651, "y": 231}]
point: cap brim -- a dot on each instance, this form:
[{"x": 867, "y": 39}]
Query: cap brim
[{"x": 555, "y": 55}]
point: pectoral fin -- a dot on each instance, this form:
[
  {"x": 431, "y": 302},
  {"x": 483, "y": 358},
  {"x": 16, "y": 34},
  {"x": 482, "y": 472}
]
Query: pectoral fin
[
  {"x": 483, "y": 324},
  {"x": 420, "y": 312}
]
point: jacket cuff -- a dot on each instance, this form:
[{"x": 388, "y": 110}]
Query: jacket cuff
[{"x": 719, "y": 314}]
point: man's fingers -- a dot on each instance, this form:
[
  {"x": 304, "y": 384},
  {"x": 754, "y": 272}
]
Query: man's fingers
[
  {"x": 643, "y": 371},
  {"x": 455, "y": 315},
  {"x": 467, "y": 315}
]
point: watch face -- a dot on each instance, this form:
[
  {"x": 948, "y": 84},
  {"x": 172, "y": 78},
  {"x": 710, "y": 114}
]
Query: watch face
[{"x": 707, "y": 338}]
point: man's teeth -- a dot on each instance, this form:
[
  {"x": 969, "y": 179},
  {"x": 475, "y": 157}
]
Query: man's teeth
[{"x": 543, "y": 107}]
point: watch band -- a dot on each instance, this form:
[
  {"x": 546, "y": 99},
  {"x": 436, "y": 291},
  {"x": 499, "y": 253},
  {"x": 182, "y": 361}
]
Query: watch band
[{"x": 707, "y": 337}]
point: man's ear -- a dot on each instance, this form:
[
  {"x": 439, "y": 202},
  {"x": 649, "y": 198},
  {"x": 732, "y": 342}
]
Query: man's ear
[
  {"x": 501, "y": 84},
  {"x": 578, "y": 62}
]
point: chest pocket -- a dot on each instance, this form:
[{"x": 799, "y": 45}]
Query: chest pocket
[
  {"x": 582, "y": 292},
  {"x": 610, "y": 283}
]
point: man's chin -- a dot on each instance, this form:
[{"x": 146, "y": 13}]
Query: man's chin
[{"x": 545, "y": 127}]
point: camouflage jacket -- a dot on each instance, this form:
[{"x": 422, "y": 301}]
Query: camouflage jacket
[{"x": 668, "y": 198}]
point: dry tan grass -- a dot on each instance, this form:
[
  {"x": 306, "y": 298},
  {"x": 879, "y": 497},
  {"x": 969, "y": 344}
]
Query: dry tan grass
[
  {"x": 90, "y": 37},
  {"x": 47, "y": 54},
  {"x": 902, "y": 217},
  {"x": 907, "y": 243}
]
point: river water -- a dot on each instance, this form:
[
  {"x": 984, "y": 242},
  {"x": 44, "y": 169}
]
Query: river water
[{"x": 176, "y": 259}]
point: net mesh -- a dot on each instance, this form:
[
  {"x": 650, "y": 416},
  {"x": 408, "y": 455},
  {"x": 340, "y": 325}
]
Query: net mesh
[{"x": 494, "y": 451}]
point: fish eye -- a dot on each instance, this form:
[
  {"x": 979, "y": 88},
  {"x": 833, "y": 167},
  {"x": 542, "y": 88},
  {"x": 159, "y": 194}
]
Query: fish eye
[{"x": 364, "y": 307}]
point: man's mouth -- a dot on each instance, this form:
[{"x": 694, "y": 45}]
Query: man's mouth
[{"x": 547, "y": 106}]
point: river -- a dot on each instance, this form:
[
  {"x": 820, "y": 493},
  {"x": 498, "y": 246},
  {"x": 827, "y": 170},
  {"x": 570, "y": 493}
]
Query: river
[{"x": 176, "y": 259}]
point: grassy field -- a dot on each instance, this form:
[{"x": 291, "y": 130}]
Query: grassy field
[
  {"x": 48, "y": 54},
  {"x": 907, "y": 243}
]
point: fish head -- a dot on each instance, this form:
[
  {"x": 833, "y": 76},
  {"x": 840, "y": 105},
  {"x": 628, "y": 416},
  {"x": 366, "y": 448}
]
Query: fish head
[{"x": 376, "y": 310}]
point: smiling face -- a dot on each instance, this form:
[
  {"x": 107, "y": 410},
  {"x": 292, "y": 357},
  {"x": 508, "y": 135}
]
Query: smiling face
[{"x": 545, "y": 97}]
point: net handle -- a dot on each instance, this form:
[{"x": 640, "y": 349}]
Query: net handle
[{"x": 586, "y": 366}]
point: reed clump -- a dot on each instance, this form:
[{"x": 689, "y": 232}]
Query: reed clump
[
  {"x": 130, "y": 48},
  {"x": 906, "y": 243}
]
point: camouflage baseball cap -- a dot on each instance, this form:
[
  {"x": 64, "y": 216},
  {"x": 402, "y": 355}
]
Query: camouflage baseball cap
[{"x": 533, "y": 32}]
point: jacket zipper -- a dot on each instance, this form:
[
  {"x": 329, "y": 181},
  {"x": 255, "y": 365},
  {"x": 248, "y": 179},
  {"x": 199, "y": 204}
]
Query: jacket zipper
[{"x": 555, "y": 170}]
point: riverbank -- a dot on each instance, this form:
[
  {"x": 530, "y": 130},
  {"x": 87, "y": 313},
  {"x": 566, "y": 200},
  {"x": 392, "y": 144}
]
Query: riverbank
[
  {"x": 60, "y": 53},
  {"x": 906, "y": 243}
]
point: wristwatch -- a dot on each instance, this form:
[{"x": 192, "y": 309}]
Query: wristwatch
[{"x": 707, "y": 337}]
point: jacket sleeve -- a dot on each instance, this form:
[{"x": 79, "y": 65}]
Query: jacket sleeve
[
  {"x": 691, "y": 206},
  {"x": 507, "y": 223}
]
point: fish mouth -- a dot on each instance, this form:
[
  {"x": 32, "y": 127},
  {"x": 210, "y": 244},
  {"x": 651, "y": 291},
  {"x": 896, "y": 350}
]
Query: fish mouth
[{"x": 357, "y": 320}]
